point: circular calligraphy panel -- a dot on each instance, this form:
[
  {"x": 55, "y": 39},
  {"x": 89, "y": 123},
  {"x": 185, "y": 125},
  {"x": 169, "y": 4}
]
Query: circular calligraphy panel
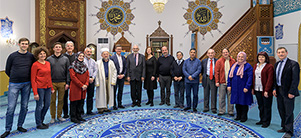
[
  {"x": 202, "y": 15},
  {"x": 115, "y": 16}
]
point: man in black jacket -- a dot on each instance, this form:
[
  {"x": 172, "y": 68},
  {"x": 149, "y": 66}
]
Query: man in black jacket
[
  {"x": 178, "y": 77},
  {"x": 286, "y": 80}
]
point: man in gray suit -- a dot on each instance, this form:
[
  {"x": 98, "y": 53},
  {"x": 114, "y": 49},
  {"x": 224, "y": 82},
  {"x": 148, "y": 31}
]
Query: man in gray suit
[
  {"x": 136, "y": 74},
  {"x": 208, "y": 81}
]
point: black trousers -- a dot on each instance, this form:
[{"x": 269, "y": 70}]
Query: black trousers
[
  {"x": 136, "y": 88},
  {"x": 265, "y": 107},
  {"x": 242, "y": 111},
  {"x": 90, "y": 95},
  {"x": 150, "y": 96},
  {"x": 119, "y": 85},
  {"x": 75, "y": 109},
  {"x": 286, "y": 110},
  {"x": 165, "y": 82},
  {"x": 65, "y": 106}
]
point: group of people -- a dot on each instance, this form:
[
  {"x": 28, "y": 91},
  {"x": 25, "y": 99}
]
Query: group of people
[{"x": 75, "y": 75}]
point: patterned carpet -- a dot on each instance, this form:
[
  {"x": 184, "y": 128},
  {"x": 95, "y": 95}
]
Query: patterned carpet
[{"x": 157, "y": 123}]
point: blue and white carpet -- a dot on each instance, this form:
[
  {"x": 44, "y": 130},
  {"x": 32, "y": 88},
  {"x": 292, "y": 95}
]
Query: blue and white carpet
[{"x": 157, "y": 123}]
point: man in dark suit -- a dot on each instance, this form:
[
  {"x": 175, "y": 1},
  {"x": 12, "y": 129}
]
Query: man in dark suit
[
  {"x": 208, "y": 81},
  {"x": 286, "y": 80},
  {"x": 120, "y": 64},
  {"x": 136, "y": 74}
]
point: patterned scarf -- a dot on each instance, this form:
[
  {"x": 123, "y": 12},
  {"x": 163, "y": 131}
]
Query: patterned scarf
[
  {"x": 78, "y": 66},
  {"x": 240, "y": 70}
]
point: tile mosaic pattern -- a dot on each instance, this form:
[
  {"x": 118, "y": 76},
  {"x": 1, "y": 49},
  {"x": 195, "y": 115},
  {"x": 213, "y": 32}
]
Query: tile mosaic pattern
[
  {"x": 159, "y": 123},
  {"x": 282, "y": 7}
]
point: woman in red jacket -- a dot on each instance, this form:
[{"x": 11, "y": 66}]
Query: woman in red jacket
[
  {"x": 262, "y": 88},
  {"x": 79, "y": 75},
  {"x": 41, "y": 85}
]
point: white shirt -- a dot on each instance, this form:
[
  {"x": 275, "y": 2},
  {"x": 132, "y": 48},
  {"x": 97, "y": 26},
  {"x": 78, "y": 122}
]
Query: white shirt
[
  {"x": 208, "y": 66},
  {"x": 258, "y": 83},
  {"x": 119, "y": 58}
]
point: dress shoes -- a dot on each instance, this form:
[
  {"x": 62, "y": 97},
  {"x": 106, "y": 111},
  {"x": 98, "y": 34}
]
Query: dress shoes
[
  {"x": 161, "y": 103},
  {"x": 45, "y": 124},
  {"x": 75, "y": 121},
  {"x": 133, "y": 105},
  {"x": 5, "y": 134},
  {"x": 231, "y": 115},
  {"x": 139, "y": 105},
  {"x": 243, "y": 120},
  {"x": 259, "y": 123},
  {"x": 148, "y": 103},
  {"x": 176, "y": 106},
  {"x": 265, "y": 126},
  {"x": 106, "y": 110},
  {"x": 237, "y": 118},
  {"x": 115, "y": 108},
  {"x": 220, "y": 114},
  {"x": 152, "y": 104},
  {"x": 281, "y": 131},
  {"x": 205, "y": 111},
  {"x": 66, "y": 116},
  {"x": 187, "y": 108},
  {"x": 120, "y": 106},
  {"x": 81, "y": 119},
  {"x": 42, "y": 127},
  {"x": 194, "y": 110},
  {"x": 168, "y": 104},
  {"x": 21, "y": 129},
  {"x": 91, "y": 113},
  {"x": 214, "y": 112}
]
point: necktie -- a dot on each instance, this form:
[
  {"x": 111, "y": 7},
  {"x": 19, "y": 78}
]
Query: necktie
[
  {"x": 211, "y": 70},
  {"x": 278, "y": 75},
  {"x": 136, "y": 57},
  {"x": 179, "y": 62}
]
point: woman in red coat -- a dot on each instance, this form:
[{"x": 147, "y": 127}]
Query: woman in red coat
[
  {"x": 78, "y": 87},
  {"x": 262, "y": 88}
]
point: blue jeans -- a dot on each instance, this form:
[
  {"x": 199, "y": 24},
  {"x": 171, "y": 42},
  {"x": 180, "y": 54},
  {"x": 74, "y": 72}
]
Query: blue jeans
[
  {"x": 42, "y": 105},
  {"x": 12, "y": 97},
  {"x": 195, "y": 89}
]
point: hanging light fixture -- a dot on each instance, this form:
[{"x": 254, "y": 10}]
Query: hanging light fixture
[{"x": 158, "y": 5}]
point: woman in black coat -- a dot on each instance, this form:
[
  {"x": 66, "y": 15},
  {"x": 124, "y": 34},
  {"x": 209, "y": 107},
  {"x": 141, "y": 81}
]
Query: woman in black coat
[{"x": 150, "y": 82}]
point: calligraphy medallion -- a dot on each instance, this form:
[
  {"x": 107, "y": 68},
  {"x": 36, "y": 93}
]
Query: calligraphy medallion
[{"x": 203, "y": 16}]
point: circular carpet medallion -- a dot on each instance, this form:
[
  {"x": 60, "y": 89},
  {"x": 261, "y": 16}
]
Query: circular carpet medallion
[{"x": 157, "y": 123}]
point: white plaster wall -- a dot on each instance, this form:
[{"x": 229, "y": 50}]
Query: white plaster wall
[
  {"x": 291, "y": 23},
  {"x": 19, "y": 12},
  {"x": 172, "y": 20}
]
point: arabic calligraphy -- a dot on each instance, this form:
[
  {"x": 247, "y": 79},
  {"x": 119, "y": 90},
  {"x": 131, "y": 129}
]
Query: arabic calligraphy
[
  {"x": 202, "y": 15},
  {"x": 115, "y": 16}
]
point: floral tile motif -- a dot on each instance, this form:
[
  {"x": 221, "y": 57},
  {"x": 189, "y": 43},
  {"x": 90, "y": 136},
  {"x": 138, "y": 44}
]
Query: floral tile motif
[{"x": 157, "y": 123}]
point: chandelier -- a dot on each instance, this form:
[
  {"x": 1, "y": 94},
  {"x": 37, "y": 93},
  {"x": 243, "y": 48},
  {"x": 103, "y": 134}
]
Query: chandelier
[{"x": 158, "y": 5}]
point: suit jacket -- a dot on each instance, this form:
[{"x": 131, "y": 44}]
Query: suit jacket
[
  {"x": 133, "y": 71},
  {"x": 267, "y": 78},
  {"x": 204, "y": 70},
  {"x": 290, "y": 77},
  {"x": 115, "y": 60}
]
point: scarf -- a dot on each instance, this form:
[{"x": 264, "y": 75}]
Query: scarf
[
  {"x": 78, "y": 66},
  {"x": 240, "y": 70}
]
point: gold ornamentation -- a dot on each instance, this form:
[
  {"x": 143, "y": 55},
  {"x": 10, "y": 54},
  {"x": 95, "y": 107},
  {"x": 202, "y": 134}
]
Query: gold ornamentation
[
  {"x": 203, "y": 16},
  {"x": 62, "y": 23},
  {"x": 73, "y": 33},
  {"x": 115, "y": 16},
  {"x": 63, "y": 8},
  {"x": 82, "y": 23},
  {"x": 42, "y": 22},
  {"x": 51, "y": 32}
]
